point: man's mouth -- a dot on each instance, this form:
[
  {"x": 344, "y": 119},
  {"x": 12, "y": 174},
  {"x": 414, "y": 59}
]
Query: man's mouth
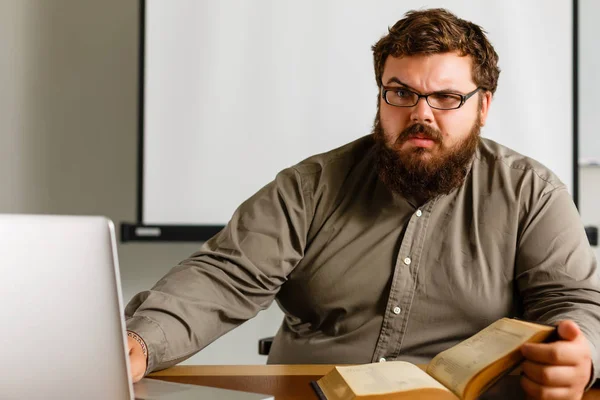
[
  {"x": 418, "y": 136},
  {"x": 421, "y": 141},
  {"x": 421, "y": 137}
]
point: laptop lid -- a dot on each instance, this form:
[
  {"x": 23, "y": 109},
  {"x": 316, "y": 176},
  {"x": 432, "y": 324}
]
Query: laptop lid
[{"x": 61, "y": 310}]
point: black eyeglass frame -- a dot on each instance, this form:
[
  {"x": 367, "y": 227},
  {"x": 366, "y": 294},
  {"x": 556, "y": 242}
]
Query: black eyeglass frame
[{"x": 463, "y": 97}]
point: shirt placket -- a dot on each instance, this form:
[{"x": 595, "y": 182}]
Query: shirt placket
[{"x": 403, "y": 286}]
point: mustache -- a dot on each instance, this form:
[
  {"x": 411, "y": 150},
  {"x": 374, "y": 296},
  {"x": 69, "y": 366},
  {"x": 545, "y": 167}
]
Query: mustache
[{"x": 420, "y": 130}]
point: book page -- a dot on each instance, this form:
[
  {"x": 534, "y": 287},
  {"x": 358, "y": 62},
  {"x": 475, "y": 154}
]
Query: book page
[
  {"x": 387, "y": 377},
  {"x": 456, "y": 366}
]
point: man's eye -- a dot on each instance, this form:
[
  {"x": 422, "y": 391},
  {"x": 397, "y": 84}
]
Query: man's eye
[
  {"x": 445, "y": 98},
  {"x": 402, "y": 93}
]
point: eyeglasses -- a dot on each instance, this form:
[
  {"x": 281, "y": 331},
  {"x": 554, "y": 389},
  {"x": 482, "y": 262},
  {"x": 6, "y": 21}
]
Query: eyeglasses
[{"x": 402, "y": 97}]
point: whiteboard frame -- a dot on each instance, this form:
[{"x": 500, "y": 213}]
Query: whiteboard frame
[{"x": 139, "y": 231}]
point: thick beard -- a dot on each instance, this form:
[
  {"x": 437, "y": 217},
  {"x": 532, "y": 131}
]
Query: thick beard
[{"x": 408, "y": 173}]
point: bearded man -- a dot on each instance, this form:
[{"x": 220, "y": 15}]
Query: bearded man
[{"x": 400, "y": 244}]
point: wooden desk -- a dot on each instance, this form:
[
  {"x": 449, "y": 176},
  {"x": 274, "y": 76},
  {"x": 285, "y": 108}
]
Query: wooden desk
[
  {"x": 283, "y": 381},
  {"x": 288, "y": 382}
]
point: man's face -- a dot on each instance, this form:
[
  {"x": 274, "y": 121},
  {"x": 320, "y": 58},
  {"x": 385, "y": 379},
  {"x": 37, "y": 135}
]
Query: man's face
[
  {"x": 432, "y": 146},
  {"x": 426, "y": 74}
]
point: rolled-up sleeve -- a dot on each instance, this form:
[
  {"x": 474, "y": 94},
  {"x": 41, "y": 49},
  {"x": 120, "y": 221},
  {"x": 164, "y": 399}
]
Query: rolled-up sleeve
[
  {"x": 556, "y": 270},
  {"x": 235, "y": 274}
]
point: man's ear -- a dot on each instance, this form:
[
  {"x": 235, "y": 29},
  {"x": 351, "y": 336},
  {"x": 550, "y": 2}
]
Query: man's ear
[{"x": 486, "y": 102}]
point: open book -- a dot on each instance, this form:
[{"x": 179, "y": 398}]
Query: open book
[{"x": 461, "y": 372}]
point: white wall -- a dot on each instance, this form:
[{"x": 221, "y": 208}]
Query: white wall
[
  {"x": 589, "y": 80},
  {"x": 68, "y": 134}
]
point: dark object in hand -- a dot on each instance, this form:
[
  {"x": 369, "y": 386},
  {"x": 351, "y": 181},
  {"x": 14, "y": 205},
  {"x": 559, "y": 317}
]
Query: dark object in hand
[{"x": 592, "y": 234}]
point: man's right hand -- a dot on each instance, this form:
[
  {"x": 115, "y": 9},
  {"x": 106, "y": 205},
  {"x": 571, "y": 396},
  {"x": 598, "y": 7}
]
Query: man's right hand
[{"x": 137, "y": 359}]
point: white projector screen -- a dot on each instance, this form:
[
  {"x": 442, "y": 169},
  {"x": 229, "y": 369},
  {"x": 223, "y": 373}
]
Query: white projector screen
[{"x": 236, "y": 90}]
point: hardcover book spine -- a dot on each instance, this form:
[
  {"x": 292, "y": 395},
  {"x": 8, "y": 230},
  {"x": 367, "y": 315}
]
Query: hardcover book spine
[{"x": 315, "y": 386}]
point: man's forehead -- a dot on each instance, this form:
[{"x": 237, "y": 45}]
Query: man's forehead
[{"x": 441, "y": 70}]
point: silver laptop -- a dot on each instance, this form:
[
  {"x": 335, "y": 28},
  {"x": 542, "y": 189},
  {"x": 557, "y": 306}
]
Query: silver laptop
[{"x": 63, "y": 332}]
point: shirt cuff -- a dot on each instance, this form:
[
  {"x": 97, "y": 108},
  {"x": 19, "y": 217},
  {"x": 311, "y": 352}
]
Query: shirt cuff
[{"x": 154, "y": 337}]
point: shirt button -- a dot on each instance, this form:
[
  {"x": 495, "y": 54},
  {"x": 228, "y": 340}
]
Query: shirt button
[
  {"x": 419, "y": 213},
  {"x": 397, "y": 310},
  {"x": 407, "y": 261},
  {"x": 382, "y": 359}
]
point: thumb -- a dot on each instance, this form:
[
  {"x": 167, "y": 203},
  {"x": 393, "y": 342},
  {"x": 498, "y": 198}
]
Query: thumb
[{"x": 568, "y": 330}]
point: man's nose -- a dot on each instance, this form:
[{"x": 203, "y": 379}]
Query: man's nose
[{"x": 422, "y": 112}]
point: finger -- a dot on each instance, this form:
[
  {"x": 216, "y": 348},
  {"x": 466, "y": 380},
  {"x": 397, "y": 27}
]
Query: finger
[
  {"x": 557, "y": 353},
  {"x": 569, "y": 330},
  {"x": 549, "y": 375},
  {"x": 537, "y": 391}
]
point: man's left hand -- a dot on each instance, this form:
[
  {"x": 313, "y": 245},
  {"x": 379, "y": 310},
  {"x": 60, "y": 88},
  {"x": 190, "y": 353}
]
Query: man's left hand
[{"x": 559, "y": 370}]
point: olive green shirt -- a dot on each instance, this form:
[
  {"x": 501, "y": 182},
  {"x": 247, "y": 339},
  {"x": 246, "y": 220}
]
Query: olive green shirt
[{"x": 364, "y": 274}]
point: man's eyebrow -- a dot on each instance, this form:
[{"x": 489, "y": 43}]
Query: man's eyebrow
[{"x": 393, "y": 79}]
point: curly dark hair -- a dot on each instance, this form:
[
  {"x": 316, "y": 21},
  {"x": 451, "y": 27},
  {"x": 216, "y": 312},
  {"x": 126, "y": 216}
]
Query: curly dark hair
[{"x": 435, "y": 31}]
